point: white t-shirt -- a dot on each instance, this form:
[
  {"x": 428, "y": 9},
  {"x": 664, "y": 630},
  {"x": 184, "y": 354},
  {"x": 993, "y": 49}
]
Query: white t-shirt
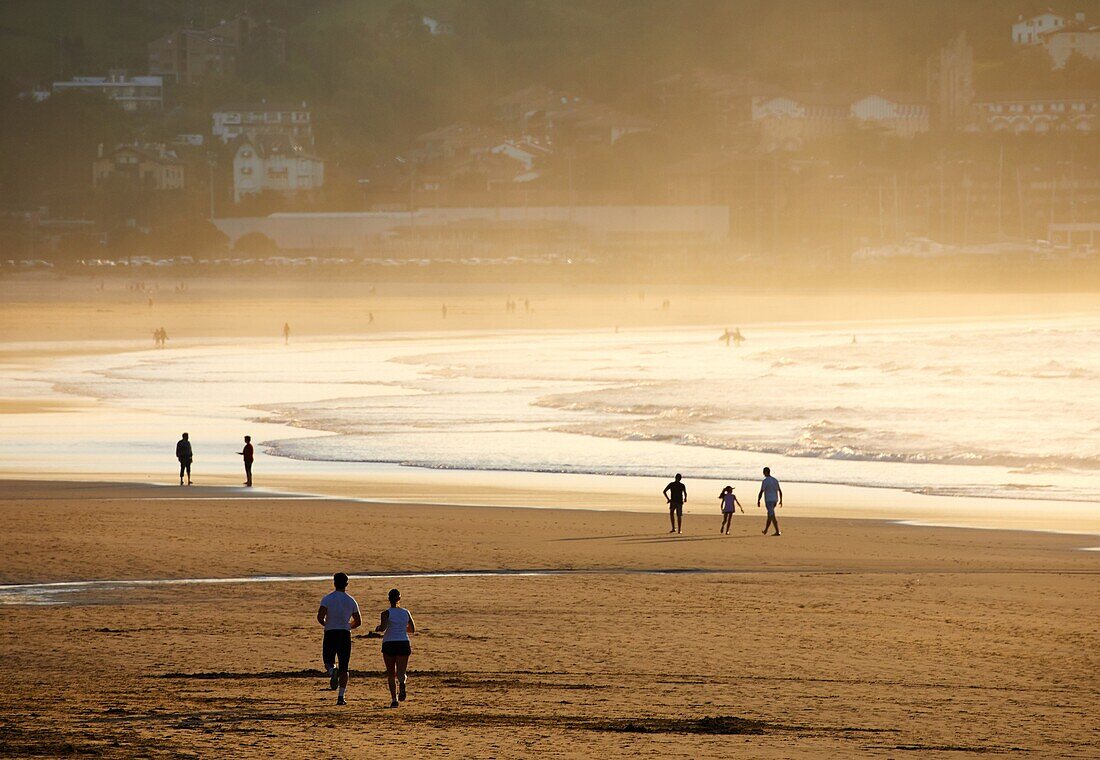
[{"x": 341, "y": 606}]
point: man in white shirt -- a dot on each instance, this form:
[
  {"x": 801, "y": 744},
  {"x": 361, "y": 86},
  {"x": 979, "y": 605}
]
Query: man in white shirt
[
  {"x": 338, "y": 613},
  {"x": 773, "y": 499}
]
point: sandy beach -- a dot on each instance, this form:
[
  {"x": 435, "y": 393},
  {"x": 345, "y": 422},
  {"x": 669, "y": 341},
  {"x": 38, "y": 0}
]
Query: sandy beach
[
  {"x": 841, "y": 638},
  {"x": 557, "y": 617}
]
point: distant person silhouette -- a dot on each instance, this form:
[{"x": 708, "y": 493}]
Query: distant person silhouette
[
  {"x": 773, "y": 499},
  {"x": 443, "y": 310},
  {"x": 184, "y": 454},
  {"x": 247, "y": 453},
  {"x": 676, "y": 494},
  {"x": 370, "y": 317},
  {"x": 729, "y": 506},
  {"x": 286, "y": 333},
  {"x": 726, "y": 336}
]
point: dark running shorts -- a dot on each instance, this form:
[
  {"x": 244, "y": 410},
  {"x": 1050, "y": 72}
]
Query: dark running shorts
[
  {"x": 397, "y": 648},
  {"x": 337, "y": 646},
  {"x": 677, "y": 508}
]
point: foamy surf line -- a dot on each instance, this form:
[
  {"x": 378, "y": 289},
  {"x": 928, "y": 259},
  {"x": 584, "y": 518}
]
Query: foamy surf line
[{"x": 44, "y": 593}]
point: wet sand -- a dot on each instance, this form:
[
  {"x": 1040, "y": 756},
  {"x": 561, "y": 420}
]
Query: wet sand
[{"x": 843, "y": 637}]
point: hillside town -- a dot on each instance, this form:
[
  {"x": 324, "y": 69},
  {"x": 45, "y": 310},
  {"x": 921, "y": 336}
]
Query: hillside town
[{"x": 736, "y": 167}]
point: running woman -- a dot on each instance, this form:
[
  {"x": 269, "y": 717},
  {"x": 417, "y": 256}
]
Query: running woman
[
  {"x": 729, "y": 506},
  {"x": 339, "y": 614},
  {"x": 395, "y": 627}
]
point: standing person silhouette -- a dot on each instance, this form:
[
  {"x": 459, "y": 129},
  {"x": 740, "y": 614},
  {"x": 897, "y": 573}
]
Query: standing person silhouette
[
  {"x": 339, "y": 614},
  {"x": 773, "y": 499},
  {"x": 286, "y": 333},
  {"x": 395, "y": 627},
  {"x": 247, "y": 453},
  {"x": 184, "y": 454},
  {"x": 676, "y": 493}
]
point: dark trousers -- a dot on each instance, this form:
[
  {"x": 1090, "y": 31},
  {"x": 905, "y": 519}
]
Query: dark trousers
[
  {"x": 248, "y": 470},
  {"x": 185, "y": 466}
]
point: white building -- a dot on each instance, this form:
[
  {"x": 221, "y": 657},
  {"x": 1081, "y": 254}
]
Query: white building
[
  {"x": 361, "y": 232},
  {"x": 901, "y": 115},
  {"x": 132, "y": 93},
  {"x": 1073, "y": 40},
  {"x": 1039, "y": 113},
  {"x": 1030, "y": 31},
  {"x": 788, "y": 122},
  {"x": 254, "y": 119},
  {"x": 273, "y": 163}
]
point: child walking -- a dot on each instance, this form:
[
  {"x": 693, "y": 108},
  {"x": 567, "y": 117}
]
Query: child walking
[{"x": 729, "y": 506}]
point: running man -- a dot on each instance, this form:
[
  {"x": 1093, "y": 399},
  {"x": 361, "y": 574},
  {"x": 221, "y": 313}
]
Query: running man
[
  {"x": 339, "y": 614},
  {"x": 773, "y": 498},
  {"x": 246, "y": 452},
  {"x": 395, "y": 627},
  {"x": 183, "y": 453},
  {"x": 676, "y": 494}
]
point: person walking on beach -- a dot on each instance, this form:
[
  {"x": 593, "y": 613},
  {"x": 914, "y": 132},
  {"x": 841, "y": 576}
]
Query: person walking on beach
[
  {"x": 339, "y": 614},
  {"x": 246, "y": 452},
  {"x": 729, "y": 506},
  {"x": 395, "y": 627},
  {"x": 183, "y": 453},
  {"x": 286, "y": 333},
  {"x": 676, "y": 493},
  {"x": 773, "y": 499}
]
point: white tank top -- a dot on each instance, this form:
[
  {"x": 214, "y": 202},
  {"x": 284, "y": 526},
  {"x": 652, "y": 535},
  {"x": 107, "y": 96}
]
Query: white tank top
[{"x": 397, "y": 628}]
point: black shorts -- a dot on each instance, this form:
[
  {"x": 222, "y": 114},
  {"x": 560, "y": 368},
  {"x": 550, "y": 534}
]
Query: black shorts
[
  {"x": 337, "y": 646},
  {"x": 397, "y": 648},
  {"x": 677, "y": 508}
]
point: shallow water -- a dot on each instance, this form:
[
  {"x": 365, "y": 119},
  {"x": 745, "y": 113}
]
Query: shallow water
[
  {"x": 1003, "y": 408},
  {"x": 76, "y": 592}
]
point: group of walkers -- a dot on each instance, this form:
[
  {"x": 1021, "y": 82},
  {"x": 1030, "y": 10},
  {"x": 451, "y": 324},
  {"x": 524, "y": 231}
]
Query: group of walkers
[
  {"x": 339, "y": 615},
  {"x": 770, "y": 492},
  {"x": 185, "y": 454}
]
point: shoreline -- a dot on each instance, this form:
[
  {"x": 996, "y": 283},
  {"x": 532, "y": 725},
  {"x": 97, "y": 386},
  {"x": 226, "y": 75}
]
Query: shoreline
[{"x": 396, "y": 488}]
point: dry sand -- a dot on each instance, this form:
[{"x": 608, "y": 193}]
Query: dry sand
[{"x": 841, "y": 638}]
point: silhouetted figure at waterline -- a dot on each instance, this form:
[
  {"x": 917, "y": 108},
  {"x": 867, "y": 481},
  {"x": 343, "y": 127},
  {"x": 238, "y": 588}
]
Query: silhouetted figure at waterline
[
  {"x": 185, "y": 456},
  {"x": 286, "y": 333},
  {"x": 735, "y": 336},
  {"x": 160, "y": 337},
  {"x": 247, "y": 453},
  {"x": 676, "y": 494},
  {"x": 443, "y": 311}
]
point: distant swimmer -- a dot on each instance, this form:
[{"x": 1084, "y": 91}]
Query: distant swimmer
[
  {"x": 183, "y": 453},
  {"x": 247, "y": 453},
  {"x": 729, "y": 506},
  {"x": 676, "y": 494},
  {"x": 395, "y": 627},
  {"x": 286, "y": 333},
  {"x": 339, "y": 614},
  {"x": 773, "y": 499}
]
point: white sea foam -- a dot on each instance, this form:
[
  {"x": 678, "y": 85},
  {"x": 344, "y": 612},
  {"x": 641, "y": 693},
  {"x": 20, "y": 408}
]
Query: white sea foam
[{"x": 996, "y": 409}]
